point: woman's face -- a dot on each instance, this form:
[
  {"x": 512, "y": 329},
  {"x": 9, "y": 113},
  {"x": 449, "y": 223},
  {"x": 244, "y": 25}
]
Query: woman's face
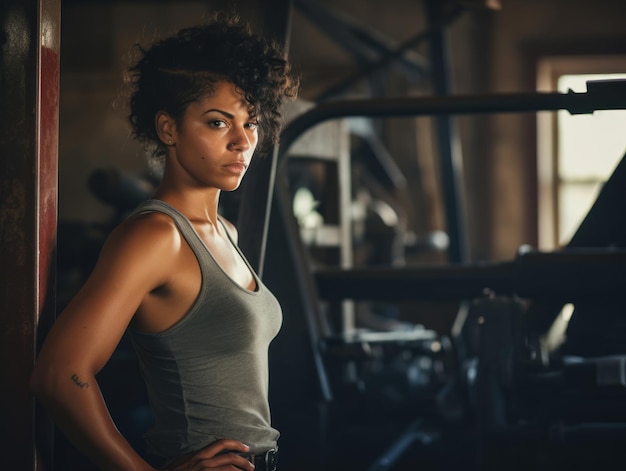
[{"x": 216, "y": 138}]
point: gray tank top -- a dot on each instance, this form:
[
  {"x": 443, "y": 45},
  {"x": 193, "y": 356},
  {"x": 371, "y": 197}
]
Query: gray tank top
[{"x": 207, "y": 376}]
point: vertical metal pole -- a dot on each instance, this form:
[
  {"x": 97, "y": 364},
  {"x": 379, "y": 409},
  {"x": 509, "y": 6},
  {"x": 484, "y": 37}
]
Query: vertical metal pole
[
  {"x": 258, "y": 186},
  {"x": 448, "y": 144},
  {"x": 29, "y": 91}
]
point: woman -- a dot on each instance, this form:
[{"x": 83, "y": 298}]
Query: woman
[{"x": 172, "y": 275}]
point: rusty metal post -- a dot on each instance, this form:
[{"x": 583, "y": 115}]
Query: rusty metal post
[{"x": 29, "y": 97}]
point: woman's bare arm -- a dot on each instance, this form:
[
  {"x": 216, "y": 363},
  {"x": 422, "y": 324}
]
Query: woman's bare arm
[{"x": 135, "y": 260}]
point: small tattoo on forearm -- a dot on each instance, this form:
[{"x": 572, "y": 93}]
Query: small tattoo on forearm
[{"x": 79, "y": 383}]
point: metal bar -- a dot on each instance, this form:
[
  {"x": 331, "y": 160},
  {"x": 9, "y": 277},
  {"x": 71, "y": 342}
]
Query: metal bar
[
  {"x": 277, "y": 21},
  {"x": 566, "y": 276},
  {"x": 394, "y": 453},
  {"x": 448, "y": 144},
  {"x": 439, "y": 283},
  {"x": 271, "y": 182},
  {"x": 28, "y": 206},
  {"x": 358, "y": 40},
  {"x": 306, "y": 290},
  {"x": 575, "y": 103},
  {"x": 385, "y": 59}
]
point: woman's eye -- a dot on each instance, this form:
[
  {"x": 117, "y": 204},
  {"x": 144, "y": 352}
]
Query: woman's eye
[
  {"x": 217, "y": 123},
  {"x": 253, "y": 125}
]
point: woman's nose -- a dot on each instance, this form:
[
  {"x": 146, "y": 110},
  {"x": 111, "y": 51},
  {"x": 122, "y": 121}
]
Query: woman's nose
[{"x": 240, "y": 140}]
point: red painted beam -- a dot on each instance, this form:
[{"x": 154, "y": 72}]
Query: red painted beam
[{"x": 29, "y": 68}]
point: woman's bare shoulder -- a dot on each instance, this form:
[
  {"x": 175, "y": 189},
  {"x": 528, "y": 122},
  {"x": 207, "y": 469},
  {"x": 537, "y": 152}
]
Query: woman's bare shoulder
[
  {"x": 144, "y": 236},
  {"x": 147, "y": 228}
]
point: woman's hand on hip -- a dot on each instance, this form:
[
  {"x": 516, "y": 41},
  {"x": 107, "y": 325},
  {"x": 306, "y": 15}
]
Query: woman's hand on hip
[{"x": 222, "y": 455}]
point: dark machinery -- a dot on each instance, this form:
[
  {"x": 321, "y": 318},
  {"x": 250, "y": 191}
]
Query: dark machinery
[{"x": 510, "y": 395}]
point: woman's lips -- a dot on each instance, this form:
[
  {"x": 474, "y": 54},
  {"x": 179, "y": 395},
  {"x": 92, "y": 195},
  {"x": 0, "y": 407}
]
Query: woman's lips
[{"x": 237, "y": 168}]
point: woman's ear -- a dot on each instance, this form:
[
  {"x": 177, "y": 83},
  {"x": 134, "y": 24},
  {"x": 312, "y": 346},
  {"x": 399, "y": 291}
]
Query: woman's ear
[{"x": 166, "y": 128}]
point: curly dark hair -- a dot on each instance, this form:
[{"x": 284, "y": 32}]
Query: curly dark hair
[{"x": 179, "y": 70}]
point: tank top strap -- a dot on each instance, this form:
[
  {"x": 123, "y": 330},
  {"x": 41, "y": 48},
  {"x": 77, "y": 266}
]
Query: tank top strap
[{"x": 182, "y": 223}]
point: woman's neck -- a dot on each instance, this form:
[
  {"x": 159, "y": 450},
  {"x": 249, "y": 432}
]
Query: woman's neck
[{"x": 199, "y": 205}]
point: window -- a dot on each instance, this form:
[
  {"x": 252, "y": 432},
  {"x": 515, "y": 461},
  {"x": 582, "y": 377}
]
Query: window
[{"x": 577, "y": 153}]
